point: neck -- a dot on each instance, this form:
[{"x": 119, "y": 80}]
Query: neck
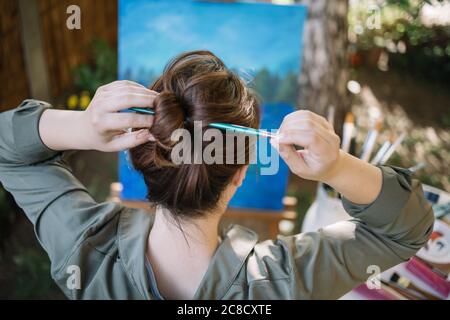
[
  {"x": 180, "y": 258},
  {"x": 180, "y": 253},
  {"x": 197, "y": 237}
]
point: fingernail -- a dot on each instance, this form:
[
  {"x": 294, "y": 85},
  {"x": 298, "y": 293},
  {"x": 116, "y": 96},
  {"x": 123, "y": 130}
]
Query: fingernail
[{"x": 151, "y": 137}]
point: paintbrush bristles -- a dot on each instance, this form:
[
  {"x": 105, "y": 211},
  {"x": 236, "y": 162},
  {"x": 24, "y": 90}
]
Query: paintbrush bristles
[{"x": 349, "y": 118}]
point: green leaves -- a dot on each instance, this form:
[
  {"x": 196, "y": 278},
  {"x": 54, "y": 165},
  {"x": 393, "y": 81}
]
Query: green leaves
[{"x": 102, "y": 70}]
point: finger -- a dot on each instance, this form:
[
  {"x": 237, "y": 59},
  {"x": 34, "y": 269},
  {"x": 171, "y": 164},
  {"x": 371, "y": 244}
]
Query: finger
[
  {"x": 306, "y": 128},
  {"x": 125, "y": 87},
  {"x": 127, "y": 100},
  {"x": 128, "y": 89},
  {"x": 305, "y": 125},
  {"x": 324, "y": 122},
  {"x": 121, "y": 121},
  {"x": 130, "y": 140},
  {"x": 306, "y": 115},
  {"x": 119, "y": 83},
  {"x": 304, "y": 138},
  {"x": 291, "y": 156}
]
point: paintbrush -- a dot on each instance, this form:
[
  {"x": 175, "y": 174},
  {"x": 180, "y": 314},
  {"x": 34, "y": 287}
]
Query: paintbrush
[
  {"x": 407, "y": 284},
  {"x": 331, "y": 113},
  {"x": 143, "y": 110},
  {"x": 392, "y": 149},
  {"x": 400, "y": 290},
  {"x": 353, "y": 144},
  {"x": 384, "y": 147},
  {"x": 417, "y": 167},
  {"x": 241, "y": 129},
  {"x": 369, "y": 143},
  {"x": 219, "y": 125},
  {"x": 347, "y": 131}
]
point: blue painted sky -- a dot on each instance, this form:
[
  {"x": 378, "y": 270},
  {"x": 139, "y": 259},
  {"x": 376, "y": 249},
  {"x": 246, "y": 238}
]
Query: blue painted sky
[{"x": 246, "y": 36}]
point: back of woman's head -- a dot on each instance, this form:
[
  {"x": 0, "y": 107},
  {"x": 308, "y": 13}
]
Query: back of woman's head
[{"x": 195, "y": 86}]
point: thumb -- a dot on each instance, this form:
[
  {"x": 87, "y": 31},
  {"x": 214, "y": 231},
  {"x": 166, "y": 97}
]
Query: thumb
[
  {"x": 130, "y": 140},
  {"x": 290, "y": 155}
]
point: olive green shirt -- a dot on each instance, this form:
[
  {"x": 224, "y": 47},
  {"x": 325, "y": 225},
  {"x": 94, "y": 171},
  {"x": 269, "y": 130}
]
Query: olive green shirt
[{"x": 107, "y": 241}]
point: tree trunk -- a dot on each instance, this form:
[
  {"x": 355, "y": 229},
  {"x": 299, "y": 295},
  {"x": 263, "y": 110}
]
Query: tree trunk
[{"x": 324, "y": 73}]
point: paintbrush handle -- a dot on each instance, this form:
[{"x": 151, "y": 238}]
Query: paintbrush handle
[
  {"x": 142, "y": 110},
  {"x": 240, "y": 129},
  {"x": 376, "y": 160},
  {"x": 403, "y": 291},
  {"x": 427, "y": 295},
  {"x": 392, "y": 149}
]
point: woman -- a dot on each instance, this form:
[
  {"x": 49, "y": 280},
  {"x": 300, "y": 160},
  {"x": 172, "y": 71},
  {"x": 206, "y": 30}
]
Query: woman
[{"x": 123, "y": 253}]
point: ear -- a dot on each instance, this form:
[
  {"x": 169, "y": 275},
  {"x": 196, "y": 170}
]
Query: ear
[{"x": 239, "y": 176}]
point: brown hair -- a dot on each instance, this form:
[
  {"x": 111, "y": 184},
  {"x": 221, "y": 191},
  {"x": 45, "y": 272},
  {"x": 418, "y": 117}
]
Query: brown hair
[{"x": 195, "y": 86}]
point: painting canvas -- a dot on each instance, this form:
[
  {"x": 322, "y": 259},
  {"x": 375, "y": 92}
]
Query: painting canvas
[{"x": 261, "y": 42}]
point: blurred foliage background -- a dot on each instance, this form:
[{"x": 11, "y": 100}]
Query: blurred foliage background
[
  {"x": 24, "y": 265},
  {"x": 399, "y": 53},
  {"x": 414, "y": 46},
  {"x": 102, "y": 69}
]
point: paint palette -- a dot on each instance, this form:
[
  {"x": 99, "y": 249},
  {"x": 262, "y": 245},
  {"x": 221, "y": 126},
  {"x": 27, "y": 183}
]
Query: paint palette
[{"x": 437, "y": 249}]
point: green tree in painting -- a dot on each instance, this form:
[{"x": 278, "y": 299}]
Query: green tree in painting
[
  {"x": 287, "y": 89},
  {"x": 264, "y": 84},
  {"x": 273, "y": 88}
]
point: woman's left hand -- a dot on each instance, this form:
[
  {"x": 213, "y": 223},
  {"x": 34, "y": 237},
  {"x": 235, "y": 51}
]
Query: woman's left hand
[{"x": 105, "y": 123}]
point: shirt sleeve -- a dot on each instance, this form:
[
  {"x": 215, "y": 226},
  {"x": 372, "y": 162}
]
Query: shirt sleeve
[
  {"x": 330, "y": 262},
  {"x": 58, "y": 205}
]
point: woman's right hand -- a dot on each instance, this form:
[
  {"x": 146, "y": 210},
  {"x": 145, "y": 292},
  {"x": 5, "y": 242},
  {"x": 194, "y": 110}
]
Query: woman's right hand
[
  {"x": 320, "y": 154},
  {"x": 101, "y": 126},
  {"x": 322, "y": 160}
]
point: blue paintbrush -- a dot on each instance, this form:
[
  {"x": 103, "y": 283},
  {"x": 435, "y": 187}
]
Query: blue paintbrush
[
  {"x": 143, "y": 110},
  {"x": 240, "y": 129},
  {"x": 219, "y": 125}
]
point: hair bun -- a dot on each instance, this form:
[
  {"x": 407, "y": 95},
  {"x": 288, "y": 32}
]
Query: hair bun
[
  {"x": 169, "y": 117},
  {"x": 194, "y": 86},
  {"x": 167, "y": 104}
]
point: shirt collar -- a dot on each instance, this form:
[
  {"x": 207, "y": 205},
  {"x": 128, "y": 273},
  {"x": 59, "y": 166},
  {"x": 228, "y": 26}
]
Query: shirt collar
[
  {"x": 133, "y": 230},
  {"x": 230, "y": 256},
  {"x": 226, "y": 263}
]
